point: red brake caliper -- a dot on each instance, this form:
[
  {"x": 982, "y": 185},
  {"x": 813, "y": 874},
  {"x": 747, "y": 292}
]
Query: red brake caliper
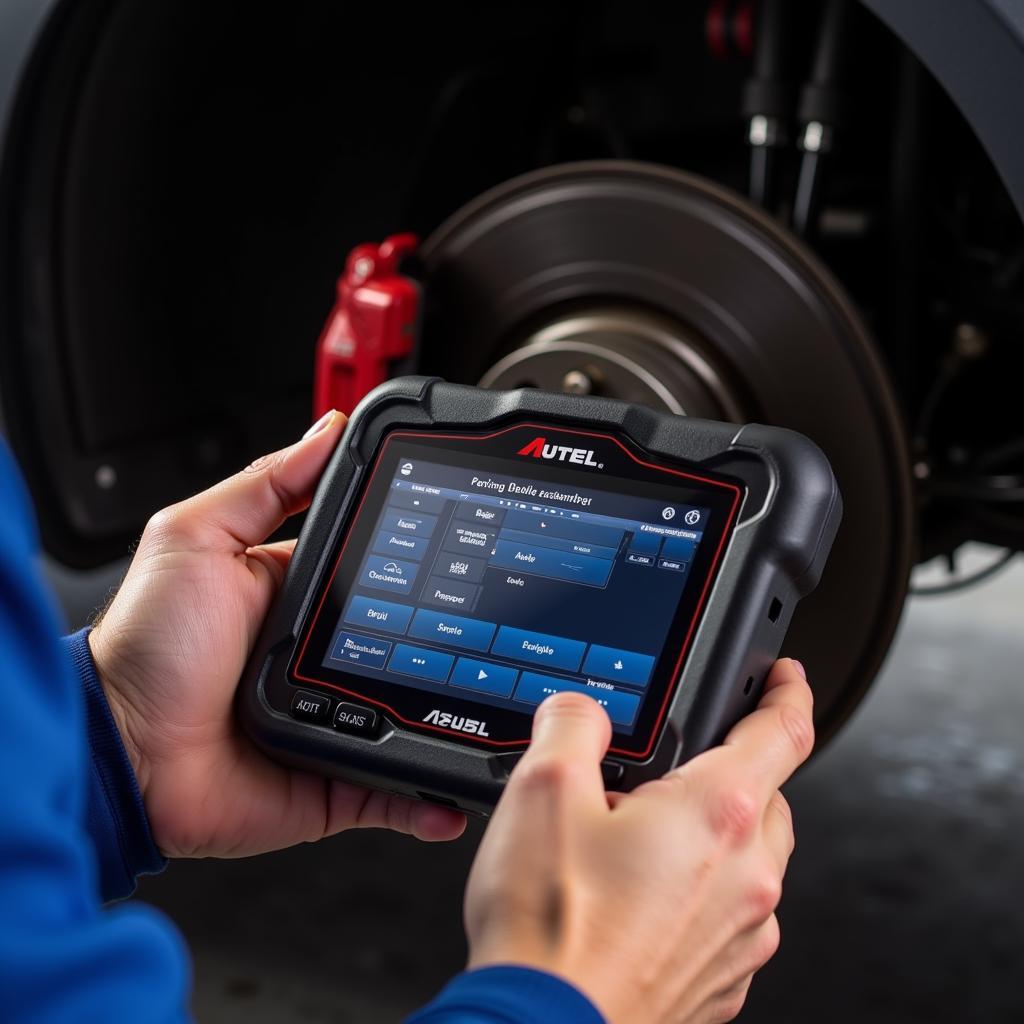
[{"x": 371, "y": 328}]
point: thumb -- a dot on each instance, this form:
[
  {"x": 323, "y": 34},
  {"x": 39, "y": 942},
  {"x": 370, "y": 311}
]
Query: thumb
[
  {"x": 246, "y": 508},
  {"x": 571, "y": 733}
]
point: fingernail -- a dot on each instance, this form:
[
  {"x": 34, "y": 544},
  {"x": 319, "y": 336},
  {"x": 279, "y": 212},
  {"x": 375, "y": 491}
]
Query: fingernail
[
  {"x": 800, "y": 668},
  {"x": 319, "y": 425}
]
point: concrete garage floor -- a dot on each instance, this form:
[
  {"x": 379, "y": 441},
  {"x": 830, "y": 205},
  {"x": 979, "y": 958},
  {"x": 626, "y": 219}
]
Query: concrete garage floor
[{"x": 903, "y": 904}]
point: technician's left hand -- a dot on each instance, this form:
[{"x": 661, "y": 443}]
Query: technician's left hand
[{"x": 170, "y": 650}]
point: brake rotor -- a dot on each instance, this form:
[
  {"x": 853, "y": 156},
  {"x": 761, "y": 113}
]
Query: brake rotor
[{"x": 644, "y": 283}]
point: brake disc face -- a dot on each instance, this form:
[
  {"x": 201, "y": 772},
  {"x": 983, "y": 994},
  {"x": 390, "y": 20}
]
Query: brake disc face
[{"x": 647, "y": 284}]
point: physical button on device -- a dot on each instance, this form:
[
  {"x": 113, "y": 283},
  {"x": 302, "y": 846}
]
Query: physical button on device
[
  {"x": 356, "y": 719},
  {"x": 383, "y": 615},
  {"x": 420, "y": 662},
  {"x": 310, "y": 706},
  {"x": 621, "y": 707},
  {"x": 484, "y": 676},
  {"x": 453, "y": 630},
  {"x": 553, "y": 651},
  {"x": 619, "y": 666}
]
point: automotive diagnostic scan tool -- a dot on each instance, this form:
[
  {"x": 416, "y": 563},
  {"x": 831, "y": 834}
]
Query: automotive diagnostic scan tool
[{"x": 470, "y": 552}]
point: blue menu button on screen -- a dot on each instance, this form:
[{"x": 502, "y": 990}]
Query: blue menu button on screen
[
  {"x": 408, "y": 522},
  {"x": 553, "y": 651},
  {"x": 360, "y": 650},
  {"x": 454, "y": 630},
  {"x": 418, "y": 661},
  {"x": 645, "y": 543},
  {"x": 621, "y": 707},
  {"x": 392, "y": 542},
  {"x": 484, "y": 676},
  {"x": 618, "y": 666},
  {"x": 383, "y": 615},
  {"x": 388, "y": 574},
  {"x": 678, "y": 549}
]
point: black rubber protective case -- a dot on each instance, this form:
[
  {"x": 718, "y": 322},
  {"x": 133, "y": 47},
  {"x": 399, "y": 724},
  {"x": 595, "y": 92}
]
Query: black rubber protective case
[{"x": 785, "y": 527}]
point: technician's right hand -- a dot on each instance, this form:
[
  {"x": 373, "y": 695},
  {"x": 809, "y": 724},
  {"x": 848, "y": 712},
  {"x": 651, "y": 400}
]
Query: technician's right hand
[{"x": 659, "y": 904}]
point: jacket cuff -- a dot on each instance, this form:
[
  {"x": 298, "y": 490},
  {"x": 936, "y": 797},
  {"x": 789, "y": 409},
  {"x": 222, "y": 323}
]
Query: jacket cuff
[
  {"x": 508, "y": 994},
  {"x": 115, "y": 816}
]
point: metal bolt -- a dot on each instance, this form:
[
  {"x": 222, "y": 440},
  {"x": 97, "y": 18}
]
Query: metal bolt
[
  {"x": 362, "y": 268},
  {"x": 576, "y": 382}
]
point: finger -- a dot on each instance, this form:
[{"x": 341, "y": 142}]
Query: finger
[
  {"x": 274, "y": 559},
  {"x": 354, "y": 807},
  {"x": 571, "y": 733},
  {"x": 777, "y": 830},
  {"x": 773, "y": 741},
  {"x": 280, "y": 552},
  {"x": 279, "y": 548},
  {"x": 245, "y": 509}
]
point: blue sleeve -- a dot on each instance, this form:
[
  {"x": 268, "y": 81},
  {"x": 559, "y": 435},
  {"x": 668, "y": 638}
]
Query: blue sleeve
[
  {"x": 508, "y": 995},
  {"x": 62, "y": 956},
  {"x": 115, "y": 816}
]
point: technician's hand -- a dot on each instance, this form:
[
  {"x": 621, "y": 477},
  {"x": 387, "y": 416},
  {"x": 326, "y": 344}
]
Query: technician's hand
[
  {"x": 658, "y": 904},
  {"x": 171, "y": 647}
]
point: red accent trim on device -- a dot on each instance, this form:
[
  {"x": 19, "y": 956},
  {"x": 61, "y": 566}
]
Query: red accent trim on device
[{"x": 674, "y": 683}]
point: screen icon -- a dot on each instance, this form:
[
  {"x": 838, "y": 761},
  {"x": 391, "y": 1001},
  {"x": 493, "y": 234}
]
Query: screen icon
[
  {"x": 668, "y": 513},
  {"x": 692, "y": 517},
  {"x": 406, "y": 468}
]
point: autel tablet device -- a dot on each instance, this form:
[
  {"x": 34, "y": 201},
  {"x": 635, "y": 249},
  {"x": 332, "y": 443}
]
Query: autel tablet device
[{"x": 470, "y": 552}]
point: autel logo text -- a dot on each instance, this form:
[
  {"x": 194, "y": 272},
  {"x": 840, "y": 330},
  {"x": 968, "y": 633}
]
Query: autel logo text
[
  {"x": 456, "y": 722},
  {"x": 539, "y": 448}
]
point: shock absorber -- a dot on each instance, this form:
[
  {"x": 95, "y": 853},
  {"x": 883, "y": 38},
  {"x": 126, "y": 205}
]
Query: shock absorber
[
  {"x": 768, "y": 98},
  {"x": 818, "y": 113}
]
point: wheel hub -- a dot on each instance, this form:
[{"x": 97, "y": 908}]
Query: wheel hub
[{"x": 618, "y": 352}]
